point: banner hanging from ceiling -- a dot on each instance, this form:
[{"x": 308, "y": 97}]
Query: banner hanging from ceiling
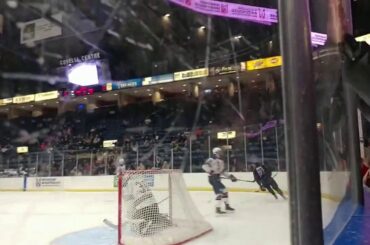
[
  {"x": 242, "y": 12},
  {"x": 231, "y": 10},
  {"x": 39, "y": 29}
]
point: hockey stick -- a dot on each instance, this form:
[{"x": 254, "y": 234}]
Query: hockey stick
[
  {"x": 249, "y": 181},
  {"x": 110, "y": 224},
  {"x": 252, "y": 181},
  {"x": 164, "y": 199},
  {"x": 242, "y": 180}
]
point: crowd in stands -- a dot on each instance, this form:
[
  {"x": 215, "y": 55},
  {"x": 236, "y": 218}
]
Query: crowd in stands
[{"x": 139, "y": 127}]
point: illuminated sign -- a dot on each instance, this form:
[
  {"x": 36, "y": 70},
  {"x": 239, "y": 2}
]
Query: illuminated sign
[
  {"x": 5, "y": 101},
  {"x": 83, "y": 91},
  {"x": 22, "y": 149},
  {"x": 264, "y": 63},
  {"x": 132, "y": 83},
  {"x": 83, "y": 74},
  {"x": 265, "y": 16},
  {"x": 23, "y": 99},
  {"x": 226, "y": 135},
  {"x": 256, "y": 64},
  {"x": 109, "y": 143},
  {"x": 318, "y": 38},
  {"x": 40, "y": 29},
  {"x": 223, "y": 70},
  {"x": 46, "y": 96},
  {"x": 166, "y": 78},
  {"x": 243, "y": 66},
  {"x": 231, "y": 10},
  {"x": 364, "y": 38},
  {"x": 183, "y": 75},
  {"x": 274, "y": 61},
  {"x": 83, "y": 58},
  {"x": 108, "y": 87}
]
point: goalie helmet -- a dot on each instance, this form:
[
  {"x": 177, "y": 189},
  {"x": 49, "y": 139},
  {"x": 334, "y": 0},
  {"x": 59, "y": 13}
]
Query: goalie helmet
[{"x": 217, "y": 151}]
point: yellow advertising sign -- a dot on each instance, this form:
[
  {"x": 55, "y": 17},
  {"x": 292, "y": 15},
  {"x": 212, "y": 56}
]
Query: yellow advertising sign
[
  {"x": 274, "y": 61},
  {"x": 5, "y": 101},
  {"x": 109, "y": 86},
  {"x": 22, "y": 149},
  {"x": 183, "y": 75},
  {"x": 264, "y": 63},
  {"x": 226, "y": 135},
  {"x": 47, "y": 96},
  {"x": 256, "y": 64},
  {"x": 23, "y": 99},
  {"x": 109, "y": 143}
]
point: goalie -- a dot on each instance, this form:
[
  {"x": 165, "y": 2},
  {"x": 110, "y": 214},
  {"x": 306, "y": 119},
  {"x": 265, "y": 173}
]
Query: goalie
[
  {"x": 215, "y": 167},
  {"x": 142, "y": 209}
]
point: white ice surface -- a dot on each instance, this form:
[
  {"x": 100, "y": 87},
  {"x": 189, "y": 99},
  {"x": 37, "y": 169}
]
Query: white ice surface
[{"x": 37, "y": 218}]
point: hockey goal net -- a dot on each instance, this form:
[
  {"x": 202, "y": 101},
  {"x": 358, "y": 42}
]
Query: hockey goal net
[{"x": 155, "y": 208}]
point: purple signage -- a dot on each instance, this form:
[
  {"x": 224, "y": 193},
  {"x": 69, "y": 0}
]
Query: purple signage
[
  {"x": 267, "y": 126},
  {"x": 231, "y": 10},
  {"x": 265, "y": 16}
]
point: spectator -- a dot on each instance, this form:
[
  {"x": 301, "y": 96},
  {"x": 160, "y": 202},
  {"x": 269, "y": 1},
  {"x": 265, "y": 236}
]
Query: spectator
[
  {"x": 366, "y": 181},
  {"x": 141, "y": 166},
  {"x": 364, "y": 166},
  {"x": 165, "y": 165}
]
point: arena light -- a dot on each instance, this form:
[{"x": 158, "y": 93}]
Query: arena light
[
  {"x": 22, "y": 149},
  {"x": 109, "y": 143},
  {"x": 84, "y": 74},
  {"x": 364, "y": 38}
]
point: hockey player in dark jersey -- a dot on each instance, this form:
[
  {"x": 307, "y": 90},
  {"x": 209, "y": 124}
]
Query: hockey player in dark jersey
[
  {"x": 262, "y": 175},
  {"x": 215, "y": 167}
]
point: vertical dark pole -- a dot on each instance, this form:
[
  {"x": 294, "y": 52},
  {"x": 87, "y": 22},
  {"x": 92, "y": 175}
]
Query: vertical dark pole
[
  {"x": 353, "y": 138},
  {"x": 353, "y": 144},
  {"x": 300, "y": 128}
]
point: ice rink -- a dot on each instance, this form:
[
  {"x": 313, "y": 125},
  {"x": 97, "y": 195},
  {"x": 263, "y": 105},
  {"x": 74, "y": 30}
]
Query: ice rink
[{"x": 75, "y": 218}]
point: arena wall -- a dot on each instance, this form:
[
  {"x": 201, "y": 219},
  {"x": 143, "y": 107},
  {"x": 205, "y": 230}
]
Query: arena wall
[{"x": 333, "y": 184}]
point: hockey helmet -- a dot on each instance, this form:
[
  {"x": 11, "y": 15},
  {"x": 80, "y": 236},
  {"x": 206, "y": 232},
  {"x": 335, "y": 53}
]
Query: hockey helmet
[{"x": 217, "y": 151}]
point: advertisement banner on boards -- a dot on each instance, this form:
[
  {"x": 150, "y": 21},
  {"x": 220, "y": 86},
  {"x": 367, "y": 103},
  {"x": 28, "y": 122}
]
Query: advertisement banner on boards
[
  {"x": 39, "y": 29},
  {"x": 43, "y": 182},
  {"x": 190, "y": 74},
  {"x": 148, "y": 178}
]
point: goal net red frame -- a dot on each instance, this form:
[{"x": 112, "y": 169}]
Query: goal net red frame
[{"x": 154, "y": 207}]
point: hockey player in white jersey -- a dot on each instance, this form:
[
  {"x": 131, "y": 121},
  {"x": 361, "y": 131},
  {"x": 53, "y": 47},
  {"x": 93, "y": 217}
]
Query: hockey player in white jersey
[{"x": 215, "y": 167}]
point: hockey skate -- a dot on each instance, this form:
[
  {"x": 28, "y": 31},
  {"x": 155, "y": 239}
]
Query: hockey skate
[
  {"x": 228, "y": 208},
  {"x": 219, "y": 211}
]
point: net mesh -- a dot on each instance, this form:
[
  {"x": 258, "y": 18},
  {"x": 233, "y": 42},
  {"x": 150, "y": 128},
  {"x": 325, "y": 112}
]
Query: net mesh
[{"x": 155, "y": 208}]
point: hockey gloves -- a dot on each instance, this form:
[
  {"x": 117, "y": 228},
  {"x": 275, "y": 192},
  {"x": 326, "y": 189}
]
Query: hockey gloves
[{"x": 233, "y": 178}]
